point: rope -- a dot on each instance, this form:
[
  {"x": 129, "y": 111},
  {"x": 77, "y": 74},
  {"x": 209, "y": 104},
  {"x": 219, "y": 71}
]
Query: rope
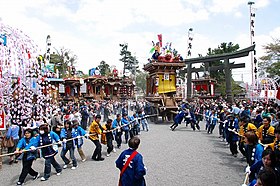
[
  {"x": 245, "y": 180},
  {"x": 44, "y": 146}
]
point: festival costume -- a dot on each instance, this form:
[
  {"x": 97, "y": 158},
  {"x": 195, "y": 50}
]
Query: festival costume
[
  {"x": 125, "y": 128},
  {"x": 213, "y": 122},
  {"x": 27, "y": 158},
  {"x": 266, "y": 135},
  {"x": 243, "y": 129},
  {"x": 253, "y": 153},
  {"x": 109, "y": 138},
  {"x": 68, "y": 146},
  {"x": 232, "y": 138},
  {"x": 79, "y": 131},
  {"x": 94, "y": 131},
  {"x": 134, "y": 174},
  {"x": 144, "y": 122},
  {"x": 118, "y": 132},
  {"x": 49, "y": 152},
  {"x": 178, "y": 119}
]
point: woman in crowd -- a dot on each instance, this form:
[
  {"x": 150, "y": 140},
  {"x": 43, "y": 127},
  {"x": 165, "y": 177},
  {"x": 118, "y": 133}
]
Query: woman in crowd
[
  {"x": 68, "y": 145},
  {"x": 253, "y": 150},
  {"x": 79, "y": 132},
  {"x": 232, "y": 137},
  {"x": 266, "y": 177},
  {"x": 26, "y": 143},
  {"x": 47, "y": 137},
  {"x": 109, "y": 136},
  {"x": 13, "y": 133},
  {"x": 268, "y": 162},
  {"x": 245, "y": 126}
]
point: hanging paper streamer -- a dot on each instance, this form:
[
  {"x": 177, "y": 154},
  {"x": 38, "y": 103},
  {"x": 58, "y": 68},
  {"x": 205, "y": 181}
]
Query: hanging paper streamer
[{"x": 20, "y": 90}]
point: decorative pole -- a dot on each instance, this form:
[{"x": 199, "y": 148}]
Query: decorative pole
[
  {"x": 254, "y": 69},
  {"x": 188, "y": 90}
]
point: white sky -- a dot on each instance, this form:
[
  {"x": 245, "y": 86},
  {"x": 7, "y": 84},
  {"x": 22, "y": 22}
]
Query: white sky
[{"x": 93, "y": 29}]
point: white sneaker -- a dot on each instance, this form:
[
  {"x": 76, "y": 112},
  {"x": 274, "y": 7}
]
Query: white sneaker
[
  {"x": 58, "y": 174},
  {"x": 64, "y": 166},
  {"x": 108, "y": 155},
  {"x": 114, "y": 150},
  {"x": 73, "y": 168},
  {"x": 43, "y": 179},
  {"x": 83, "y": 160}
]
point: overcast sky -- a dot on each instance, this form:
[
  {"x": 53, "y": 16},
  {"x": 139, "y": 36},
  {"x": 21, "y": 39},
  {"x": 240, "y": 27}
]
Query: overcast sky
[{"x": 93, "y": 29}]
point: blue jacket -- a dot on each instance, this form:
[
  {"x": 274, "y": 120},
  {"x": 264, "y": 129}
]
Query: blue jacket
[
  {"x": 51, "y": 150},
  {"x": 233, "y": 126},
  {"x": 214, "y": 119},
  {"x": 125, "y": 122},
  {"x": 13, "y": 131},
  {"x": 179, "y": 117},
  {"x": 79, "y": 131},
  {"x": 134, "y": 174},
  {"x": 258, "y": 152},
  {"x": 115, "y": 123},
  {"x": 22, "y": 144}
]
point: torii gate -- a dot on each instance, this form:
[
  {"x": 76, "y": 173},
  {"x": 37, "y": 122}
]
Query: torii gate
[{"x": 226, "y": 66}]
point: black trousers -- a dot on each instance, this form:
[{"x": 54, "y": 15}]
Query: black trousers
[
  {"x": 118, "y": 138},
  {"x": 97, "y": 152},
  {"x": 26, "y": 169},
  {"x": 110, "y": 146},
  {"x": 241, "y": 146}
]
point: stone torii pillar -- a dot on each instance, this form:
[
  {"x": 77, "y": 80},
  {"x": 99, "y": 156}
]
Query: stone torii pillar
[
  {"x": 226, "y": 66},
  {"x": 228, "y": 80}
]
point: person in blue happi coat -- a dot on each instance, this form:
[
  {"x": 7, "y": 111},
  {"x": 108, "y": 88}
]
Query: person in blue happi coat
[
  {"x": 231, "y": 126},
  {"x": 178, "y": 119},
  {"x": 132, "y": 174}
]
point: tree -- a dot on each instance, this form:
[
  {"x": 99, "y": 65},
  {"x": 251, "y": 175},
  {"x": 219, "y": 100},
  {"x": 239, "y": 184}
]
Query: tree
[
  {"x": 63, "y": 59},
  {"x": 270, "y": 63},
  {"x": 104, "y": 68},
  {"x": 141, "y": 81},
  {"x": 130, "y": 62}
]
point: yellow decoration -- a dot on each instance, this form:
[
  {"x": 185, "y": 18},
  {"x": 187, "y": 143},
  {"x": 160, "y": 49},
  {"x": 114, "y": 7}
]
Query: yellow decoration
[{"x": 167, "y": 85}]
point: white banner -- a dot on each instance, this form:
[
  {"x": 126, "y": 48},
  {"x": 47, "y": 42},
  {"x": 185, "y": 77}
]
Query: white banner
[
  {"x": 83, "y": 88},
  {"x": 61, "y": 88}
]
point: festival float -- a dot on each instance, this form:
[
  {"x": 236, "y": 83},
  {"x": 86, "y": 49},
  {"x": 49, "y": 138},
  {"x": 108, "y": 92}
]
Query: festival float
[
  {"x": 163, "y": 80},
  {"x": 109, "y": 87}
]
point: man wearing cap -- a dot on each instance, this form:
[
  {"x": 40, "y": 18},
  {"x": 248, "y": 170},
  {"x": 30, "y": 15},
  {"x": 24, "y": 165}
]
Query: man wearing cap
[{"x": 94, "y": 130}]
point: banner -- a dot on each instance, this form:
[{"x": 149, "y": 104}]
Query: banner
[
  {"x": 160, "y": 39},
  {"x": 2, "y": 121}
]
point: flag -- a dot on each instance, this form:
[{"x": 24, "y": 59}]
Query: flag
[
  {"x": 278, "y": 93},
  {"x": 160, "y": 39},
  {"x": 152, "y": 50}
]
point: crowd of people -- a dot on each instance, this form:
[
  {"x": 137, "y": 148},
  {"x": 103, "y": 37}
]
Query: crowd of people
[
  {"x": 67, "y": 125},
  {"x": 249, "y": 128}
]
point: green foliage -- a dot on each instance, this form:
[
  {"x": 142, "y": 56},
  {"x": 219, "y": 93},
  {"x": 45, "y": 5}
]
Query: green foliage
[
  {"x": 62, "y": 60},
  {"x": 270, "y": 63},
  {"x": 104, "y": 68},
  {"x": 219, "y": 75},
  {"x": 141, "y": 81},
  {"x": 130, "y": 62}
]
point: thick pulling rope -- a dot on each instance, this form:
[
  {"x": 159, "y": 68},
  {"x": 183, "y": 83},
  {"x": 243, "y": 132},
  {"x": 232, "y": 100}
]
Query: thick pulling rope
[
  {"x": 245, "y": 180},
  {"x": 231, "y": 130},
  {"x": 60, "y": 142}
]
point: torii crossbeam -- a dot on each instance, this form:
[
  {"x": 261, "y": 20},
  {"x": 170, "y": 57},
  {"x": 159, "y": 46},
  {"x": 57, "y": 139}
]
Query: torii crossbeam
[{"x": 227, "y": 67}]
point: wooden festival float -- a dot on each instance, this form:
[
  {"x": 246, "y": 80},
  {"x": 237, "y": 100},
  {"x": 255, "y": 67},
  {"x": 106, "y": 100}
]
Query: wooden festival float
[{"x": 162, "y": 84}]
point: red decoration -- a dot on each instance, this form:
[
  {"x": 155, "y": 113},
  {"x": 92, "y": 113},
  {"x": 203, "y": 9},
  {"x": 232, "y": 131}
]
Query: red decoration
[{"x": 278, "y": 93}]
